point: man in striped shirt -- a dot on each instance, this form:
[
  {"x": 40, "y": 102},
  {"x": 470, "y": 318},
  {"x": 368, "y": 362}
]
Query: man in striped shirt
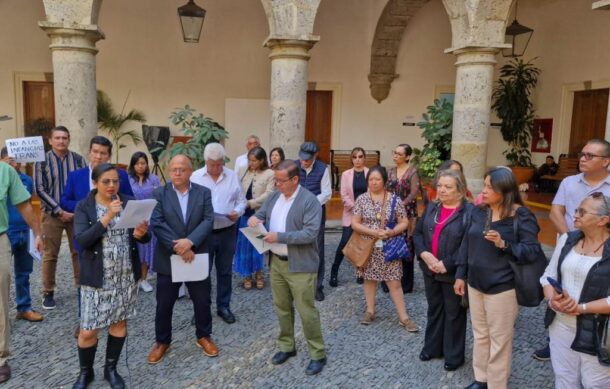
[{"x": 50, "y": 178}]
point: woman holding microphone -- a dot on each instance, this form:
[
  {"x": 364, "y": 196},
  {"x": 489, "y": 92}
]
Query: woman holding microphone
[{"x": 109, "y": 273}]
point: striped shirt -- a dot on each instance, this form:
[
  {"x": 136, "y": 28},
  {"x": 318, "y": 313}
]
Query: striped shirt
[{"x": 50, "y": 178}]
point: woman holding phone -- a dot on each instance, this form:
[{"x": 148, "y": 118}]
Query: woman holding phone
[
  {"x": 580, "y": 272},
  {"x": 489, "y": 243}
]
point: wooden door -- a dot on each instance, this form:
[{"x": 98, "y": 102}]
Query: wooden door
[
  {"x": 588, "y": 118},
  {"x": 38, "y": 108},
  {"x": 318, "y": 122}
]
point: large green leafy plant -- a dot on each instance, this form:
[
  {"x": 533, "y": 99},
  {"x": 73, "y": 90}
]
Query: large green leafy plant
[
  {"x": 437, "y": 128},
  {"x": 112, "y": 122},
  {"x": 512, "y": 102},
  {"x": 201, "y": 130}
]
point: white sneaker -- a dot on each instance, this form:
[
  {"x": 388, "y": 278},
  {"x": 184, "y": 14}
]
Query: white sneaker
[{"x": 145, "y": 286}]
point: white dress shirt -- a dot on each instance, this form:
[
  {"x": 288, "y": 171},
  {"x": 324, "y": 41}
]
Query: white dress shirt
[
  {"x": 241, "y": 162},
  {"x": 277, "y": 221},
  {"x": 227, "y": 195},
  {"x": 325, "y": 187},
  {"x": 183, "y": 200}
]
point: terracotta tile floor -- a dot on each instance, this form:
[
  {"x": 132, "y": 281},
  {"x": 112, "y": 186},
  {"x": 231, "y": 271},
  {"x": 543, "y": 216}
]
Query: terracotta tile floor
[{"x": 539, "y": 203}]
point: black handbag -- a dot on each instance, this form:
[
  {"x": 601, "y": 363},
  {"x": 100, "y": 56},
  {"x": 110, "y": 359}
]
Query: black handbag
[
  {"x": 527, "y": 276},
  {"x": 602, "y": 339}
]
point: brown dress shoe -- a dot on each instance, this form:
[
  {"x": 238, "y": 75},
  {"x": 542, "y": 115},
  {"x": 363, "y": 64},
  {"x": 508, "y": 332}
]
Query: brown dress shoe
[
  {"x": 208, "y": 346},
  {"x": 29, "y": 316},
  {"x": 157, "y": 353}
]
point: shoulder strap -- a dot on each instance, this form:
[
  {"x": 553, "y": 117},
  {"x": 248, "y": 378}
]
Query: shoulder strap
[
  {"x": 515, "y": 227},
  {"x": 393, "y": 209}
]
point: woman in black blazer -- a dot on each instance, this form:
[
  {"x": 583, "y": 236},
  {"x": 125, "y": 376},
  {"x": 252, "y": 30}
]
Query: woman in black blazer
[
  {"x": 109, "y": 272},
  {"x": 437, "y": 238}
]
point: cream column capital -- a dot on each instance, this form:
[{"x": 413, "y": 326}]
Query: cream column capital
[
  {"x": 72, "y": 38},
  {"x": 476, "y": 56},
  {"x": 290, "y": 47}
]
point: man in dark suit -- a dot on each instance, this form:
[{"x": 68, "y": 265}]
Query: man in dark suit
[{"x": 182, "y": 222}]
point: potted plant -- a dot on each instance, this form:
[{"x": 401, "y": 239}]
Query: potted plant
[
  {"x": 437, "y": 125},
  {"x": 512, "y": 102},
  {"x": 111, "y": 122},
  {"x": 201, "y": 130}
]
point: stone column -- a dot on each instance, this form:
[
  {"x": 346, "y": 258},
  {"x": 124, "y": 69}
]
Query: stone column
[
  {"x": 72, "y": 27},
  {"x": 471, "y": 112},
  {"x": 478, "y": 28},
  {"x": 288, "y": 93},
  {"x": 290, "y": 39}
]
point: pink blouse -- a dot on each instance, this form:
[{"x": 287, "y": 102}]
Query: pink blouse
[{"x": 442, "y": 218}]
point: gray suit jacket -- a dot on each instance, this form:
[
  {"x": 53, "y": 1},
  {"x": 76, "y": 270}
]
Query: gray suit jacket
[
  {"x": 302, "y": 226},
  {"x": 168, "y": 224}
]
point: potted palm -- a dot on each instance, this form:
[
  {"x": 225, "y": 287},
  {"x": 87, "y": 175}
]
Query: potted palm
[
  {"x": 198, "y": 131},
  {"x": 512, "y": 102},
  {"x": 112, "y": 122}
]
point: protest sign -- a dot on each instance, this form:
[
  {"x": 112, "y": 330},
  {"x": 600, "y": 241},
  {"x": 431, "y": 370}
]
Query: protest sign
[{"x": 29, "y": 149}]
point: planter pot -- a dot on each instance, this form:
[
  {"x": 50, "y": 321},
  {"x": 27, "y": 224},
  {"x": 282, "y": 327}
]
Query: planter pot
[{"x": 523, "y": 174}]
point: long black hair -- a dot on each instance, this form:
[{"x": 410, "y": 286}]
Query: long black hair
[
  {"x": 132, "y": 165},
  {"x": 503, "y": 182},
  {"x": 260, "y": 155}
]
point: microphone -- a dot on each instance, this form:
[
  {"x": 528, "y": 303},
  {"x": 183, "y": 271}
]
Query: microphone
[{"x": 115, "y": 197}]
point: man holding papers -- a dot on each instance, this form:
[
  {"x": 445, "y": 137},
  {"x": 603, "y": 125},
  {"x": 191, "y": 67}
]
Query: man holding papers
[
  {"x": 292, "y": 217},
  {"x": 182, "y": 221},
  {"x": 229, "y": 204}
]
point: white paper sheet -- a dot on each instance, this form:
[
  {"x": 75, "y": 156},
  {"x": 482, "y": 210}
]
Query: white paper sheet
[
  {"x": 255, "y": 236},
  {"x": 32, "y": 248},
  {"x": 197, "y": 270},
  {"x": 135, "y": 213},
  {"x": 30, "y": 149}
]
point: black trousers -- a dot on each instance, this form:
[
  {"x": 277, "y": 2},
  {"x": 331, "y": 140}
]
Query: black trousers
[
  {"x": 345, "y": 235},
  {"x": 408, "y": 268},
  {"x": 446, "y": 322},
  {"x": 321, "y": 268},
  {"x": 167, "y": 294},
  {"x": 222, "y": 249}
]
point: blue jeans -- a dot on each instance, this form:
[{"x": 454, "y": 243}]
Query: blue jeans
[{"x": 23, "y": 268}]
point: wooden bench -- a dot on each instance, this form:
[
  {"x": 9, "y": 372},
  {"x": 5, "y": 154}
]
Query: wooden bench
[
  {"x": 341, "y": 160},
  {"x": 567, "y": 167}
]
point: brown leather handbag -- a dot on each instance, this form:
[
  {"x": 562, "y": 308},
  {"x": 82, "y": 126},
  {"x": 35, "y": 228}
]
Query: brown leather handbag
[
  {"x": 359, "y": 247},
  {"x": 358, "y": 250}
]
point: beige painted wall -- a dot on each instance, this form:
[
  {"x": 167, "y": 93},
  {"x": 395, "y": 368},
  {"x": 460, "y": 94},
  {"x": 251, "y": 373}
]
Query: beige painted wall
[{"x": 229, "y": 69}]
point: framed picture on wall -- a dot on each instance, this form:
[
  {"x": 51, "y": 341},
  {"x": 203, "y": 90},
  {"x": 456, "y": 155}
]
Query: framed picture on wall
[{"x": 542, "y": 135}]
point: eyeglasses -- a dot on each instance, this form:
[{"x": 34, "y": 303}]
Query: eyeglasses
[
  {"x": 357, "y": 156},
  {"x": 178, "y": 171},
  {"x": 584, "y": 212},
  {"x": 589, "y": 156},
  {"x": 398, "y": 154},
  {"x": 108, "y": 181}
]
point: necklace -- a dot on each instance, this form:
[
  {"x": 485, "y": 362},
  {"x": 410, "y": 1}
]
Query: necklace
[
  {"x": 436, "y": 221},
  {"x": 378, "y": 214},
  {"x": 590, "y": 254}
]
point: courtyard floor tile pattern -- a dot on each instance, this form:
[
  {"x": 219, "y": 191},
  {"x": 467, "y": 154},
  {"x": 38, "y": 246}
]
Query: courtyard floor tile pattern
[{"x": 382, "y": 355}]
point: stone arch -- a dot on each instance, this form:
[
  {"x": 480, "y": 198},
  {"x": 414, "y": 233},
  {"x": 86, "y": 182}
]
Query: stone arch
[{"x": 386, "y": 43}]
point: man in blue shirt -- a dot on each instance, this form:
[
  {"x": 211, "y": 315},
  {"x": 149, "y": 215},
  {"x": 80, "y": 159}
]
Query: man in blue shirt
[{"x": 18, "y": 234}]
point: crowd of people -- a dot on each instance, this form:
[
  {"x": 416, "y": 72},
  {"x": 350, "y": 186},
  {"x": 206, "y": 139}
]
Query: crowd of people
[{"x": 467, "y": 249}]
